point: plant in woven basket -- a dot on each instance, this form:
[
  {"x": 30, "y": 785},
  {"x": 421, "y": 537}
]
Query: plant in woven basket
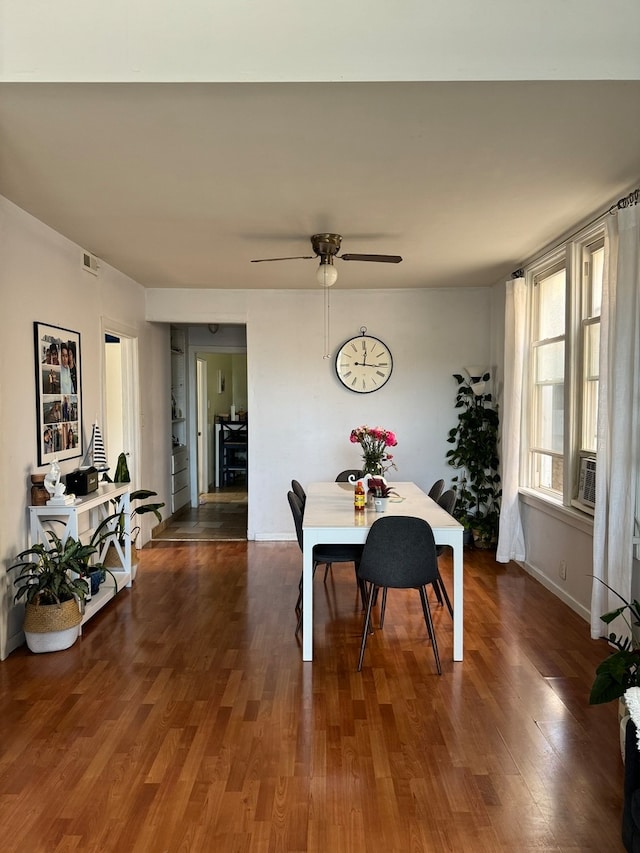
[
  {"x": 51, "y": 581},
  {"x": 52, "y": 573}
]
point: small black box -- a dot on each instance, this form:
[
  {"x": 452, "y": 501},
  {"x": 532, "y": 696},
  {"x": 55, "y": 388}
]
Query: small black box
[{"x": 83, "y": 481}]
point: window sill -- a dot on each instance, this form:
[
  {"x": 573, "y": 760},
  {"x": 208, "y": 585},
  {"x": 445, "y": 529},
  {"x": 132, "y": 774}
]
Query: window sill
[{"x": 568, "y": 515}]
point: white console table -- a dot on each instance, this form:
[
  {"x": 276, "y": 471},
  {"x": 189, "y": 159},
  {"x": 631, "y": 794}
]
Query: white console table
[{"x": 79, "y": 520}]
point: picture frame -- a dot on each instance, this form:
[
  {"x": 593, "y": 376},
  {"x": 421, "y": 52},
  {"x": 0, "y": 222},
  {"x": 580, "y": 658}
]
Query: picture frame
[
  {"x": 58, "y": 362},
  {"x": 221, "y": 382}
]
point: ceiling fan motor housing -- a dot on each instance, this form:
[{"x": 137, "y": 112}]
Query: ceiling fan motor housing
[{"x": 326, "y": 244}]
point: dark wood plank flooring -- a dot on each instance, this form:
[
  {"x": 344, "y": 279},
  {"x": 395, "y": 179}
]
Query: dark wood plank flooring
[{"x": 185, "y": 720}]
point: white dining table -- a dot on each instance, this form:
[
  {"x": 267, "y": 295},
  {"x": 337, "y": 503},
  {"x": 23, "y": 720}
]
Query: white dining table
[{"x": 329, "y": 518}]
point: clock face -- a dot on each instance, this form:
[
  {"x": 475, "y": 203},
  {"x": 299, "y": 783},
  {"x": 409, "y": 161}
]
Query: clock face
[{"x": 364, "y": 364}]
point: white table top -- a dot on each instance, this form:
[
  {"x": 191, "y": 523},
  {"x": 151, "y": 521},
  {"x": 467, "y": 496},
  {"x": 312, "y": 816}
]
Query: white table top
[{"x": 330, "y": 505}]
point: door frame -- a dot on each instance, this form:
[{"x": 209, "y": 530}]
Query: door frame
[
  {"x": 202, "y": 425},
  {"x": 130, "y": 390},
  {"x": 192, "y": 427}
]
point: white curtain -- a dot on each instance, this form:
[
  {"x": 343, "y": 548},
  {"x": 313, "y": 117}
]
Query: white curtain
[
  {"x": 618, "y": 420},
  {"x": 510, "y": 535}
]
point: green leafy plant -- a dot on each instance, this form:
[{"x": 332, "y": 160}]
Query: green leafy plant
[
  {"x": 53, "y": 573},
  {"x": 621, "y": 669},
  {"x": 122, "y": 476},
  {"x": 475, "y": 455}
]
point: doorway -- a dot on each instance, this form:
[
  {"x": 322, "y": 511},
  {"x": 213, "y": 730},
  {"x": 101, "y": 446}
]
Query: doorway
[
  {"x": 217, "y": 389},
  {"x": 120, "y": 403}
]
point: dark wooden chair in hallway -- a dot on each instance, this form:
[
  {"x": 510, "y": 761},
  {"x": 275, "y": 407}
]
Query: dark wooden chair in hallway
[{"x": 234, "y": 447}]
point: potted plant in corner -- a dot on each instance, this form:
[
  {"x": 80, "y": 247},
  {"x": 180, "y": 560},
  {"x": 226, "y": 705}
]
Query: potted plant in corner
[
  {"x": 475, "y": 455},
  {"x": 621, "y": 669},
  {"x": 121, "y": 475},
  {"x": 52, "y": 582}
]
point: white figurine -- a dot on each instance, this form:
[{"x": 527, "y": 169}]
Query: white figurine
[{"x": 56, "y": 488}]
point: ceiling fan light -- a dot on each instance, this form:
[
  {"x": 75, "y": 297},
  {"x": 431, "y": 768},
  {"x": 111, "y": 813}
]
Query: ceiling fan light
[{"x": 327, "y": 274}]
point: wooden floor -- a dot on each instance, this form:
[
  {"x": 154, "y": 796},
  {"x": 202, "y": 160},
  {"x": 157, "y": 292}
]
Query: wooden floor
[{"x": 185, "y": 720}]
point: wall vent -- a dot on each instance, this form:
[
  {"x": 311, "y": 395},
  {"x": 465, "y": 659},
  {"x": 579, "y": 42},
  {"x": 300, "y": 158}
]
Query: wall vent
[
  {"x": 587, "y": 485},
  {"x": 90, "y": 263}
]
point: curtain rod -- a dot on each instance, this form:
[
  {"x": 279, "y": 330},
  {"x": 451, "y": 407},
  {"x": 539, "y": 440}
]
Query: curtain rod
[{"x": 626, "y": 201}]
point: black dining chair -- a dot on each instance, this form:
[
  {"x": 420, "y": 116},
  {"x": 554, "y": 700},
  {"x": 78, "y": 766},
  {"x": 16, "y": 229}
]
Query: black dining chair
[
  {"x": 447, "y": 501},
  {"x": 343, "y": 476},
  {"x": 400, "y": 553},
  {"x": 322, "y": 554},
  {"x": 436, "y": 490},
  {"x": 298, "y": 490}
]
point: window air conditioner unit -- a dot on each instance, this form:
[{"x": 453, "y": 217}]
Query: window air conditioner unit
[{"x": 587, "y": 486}]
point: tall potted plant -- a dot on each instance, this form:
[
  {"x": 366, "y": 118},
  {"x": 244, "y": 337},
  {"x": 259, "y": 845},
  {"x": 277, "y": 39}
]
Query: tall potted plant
[
  {"x": 475, "y": 456},
  {"x": 52, "y": 582}
]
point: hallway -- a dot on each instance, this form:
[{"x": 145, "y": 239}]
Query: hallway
[{"x": 221, "y": 516}]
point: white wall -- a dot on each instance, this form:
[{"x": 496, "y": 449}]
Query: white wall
[
  {"x": 553, "y": 537},
  {"x": 41, "y": 279},
  {"x": 300, "y": 415}
]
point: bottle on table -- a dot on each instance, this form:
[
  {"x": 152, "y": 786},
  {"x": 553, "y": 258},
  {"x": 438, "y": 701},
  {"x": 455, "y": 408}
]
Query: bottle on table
[{"x": 359, "y": 497}]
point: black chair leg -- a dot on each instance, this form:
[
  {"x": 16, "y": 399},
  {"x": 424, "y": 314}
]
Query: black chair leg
[
  {"x": 443, "y": 590},
  {"x": 365, "y": 630},
  {"x": 362, "y": 587},
  {"x": 383, "y": 607},
  {"x": 298, "y": 607},
  {"x": 436, "y": 589},
  {"x": 429, "y": 623}
]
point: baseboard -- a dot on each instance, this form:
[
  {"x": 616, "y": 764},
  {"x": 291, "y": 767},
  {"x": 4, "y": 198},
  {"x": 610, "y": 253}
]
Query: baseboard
[
  {"x": 557, "y": 590},
  {"x": 13, "y": 643},
  {"x": 273, "y": 537}
]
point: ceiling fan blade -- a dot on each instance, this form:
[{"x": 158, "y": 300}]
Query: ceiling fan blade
[
  {"x": 294, "y": 258},
  {"x": 381, "y": 259}
]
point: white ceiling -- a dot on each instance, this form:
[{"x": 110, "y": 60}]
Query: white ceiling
[{"x": 181, "y": 185}]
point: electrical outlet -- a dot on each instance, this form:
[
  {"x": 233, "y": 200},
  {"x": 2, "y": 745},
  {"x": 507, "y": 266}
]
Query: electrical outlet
[{"x": 563, "y": 570}]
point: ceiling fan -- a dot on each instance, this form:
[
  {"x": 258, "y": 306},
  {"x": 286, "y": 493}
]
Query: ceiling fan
[{"x": 326, "y": 247}]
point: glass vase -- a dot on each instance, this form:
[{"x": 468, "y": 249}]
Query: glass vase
[{"x": 372, "y": 467}]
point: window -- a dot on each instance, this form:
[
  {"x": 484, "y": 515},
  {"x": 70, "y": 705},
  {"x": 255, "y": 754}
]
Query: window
[
  {"x": 548, "y": 355},
  {"x": 566, "y": 296},
  {"x": 593, "y": 267}
]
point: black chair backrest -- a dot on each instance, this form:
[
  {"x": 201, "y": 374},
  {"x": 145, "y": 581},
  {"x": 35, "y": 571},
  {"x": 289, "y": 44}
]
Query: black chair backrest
[
  {"x": 297, "y": 511},
  {"x": 233, "y": 433},
  {"x": 297, "y": 489},
  {"x": 447, "y": 500},
  {"x": 343, "y": 476},
  {"x": 400, "y": 552},
  {"x": 436, "y": 490}
]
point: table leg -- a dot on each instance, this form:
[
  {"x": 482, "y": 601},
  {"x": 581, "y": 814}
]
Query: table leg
[
  {"x": 307, "y": 601},
  {"x": 458, "y": 608}
]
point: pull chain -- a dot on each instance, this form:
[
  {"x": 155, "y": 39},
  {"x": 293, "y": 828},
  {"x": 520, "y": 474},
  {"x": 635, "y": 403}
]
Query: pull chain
[{"x": 327, "y": 323}]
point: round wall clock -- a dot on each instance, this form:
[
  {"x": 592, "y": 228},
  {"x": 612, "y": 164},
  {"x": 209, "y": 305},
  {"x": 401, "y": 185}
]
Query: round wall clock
[{"x": 364, "y": 363}]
